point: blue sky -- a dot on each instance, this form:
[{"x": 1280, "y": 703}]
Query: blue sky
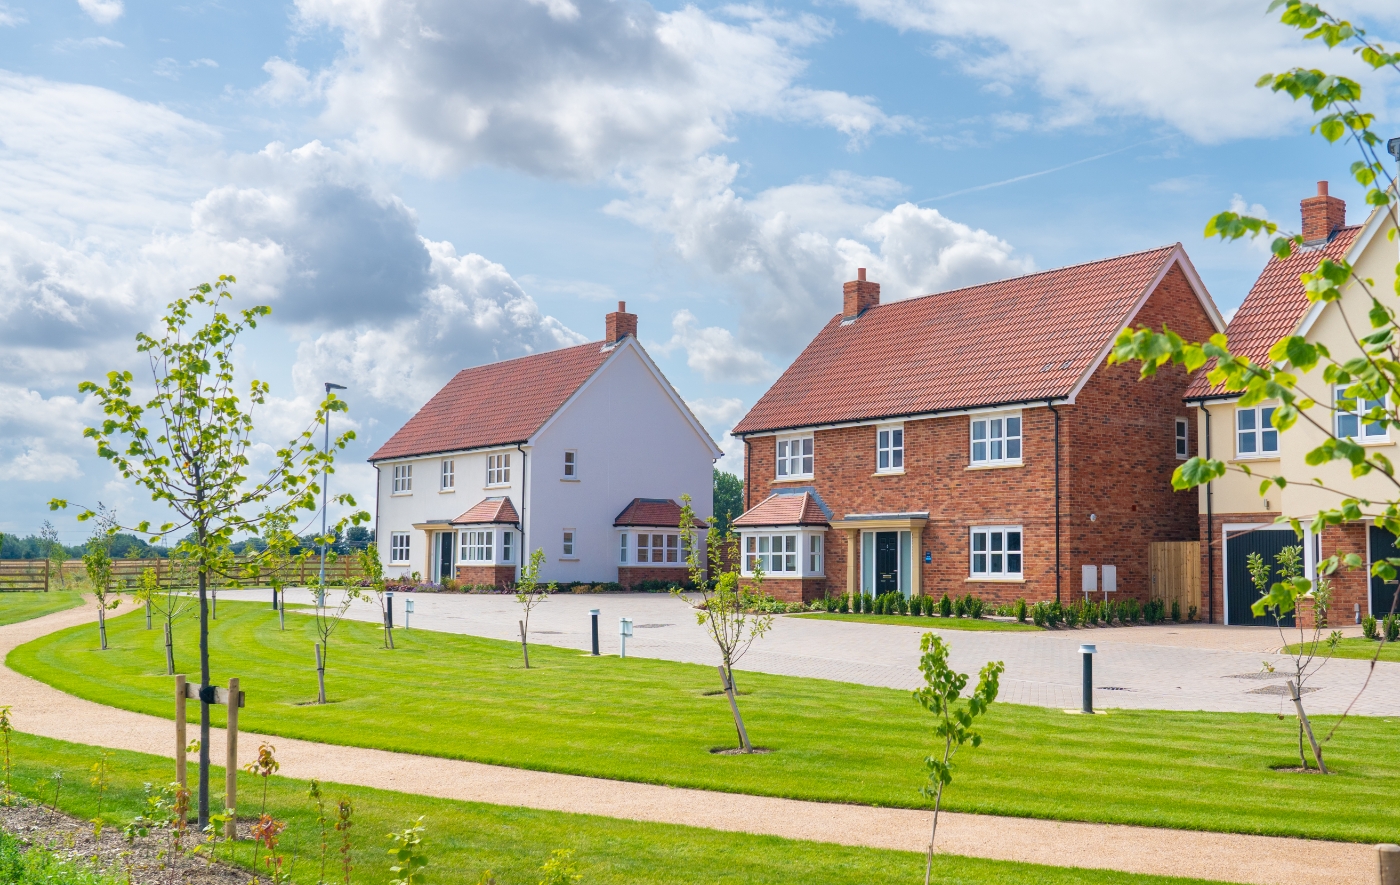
[{"x": 420, "y": 187}]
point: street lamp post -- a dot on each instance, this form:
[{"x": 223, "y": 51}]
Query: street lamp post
[{"x": 325, "y": 486}]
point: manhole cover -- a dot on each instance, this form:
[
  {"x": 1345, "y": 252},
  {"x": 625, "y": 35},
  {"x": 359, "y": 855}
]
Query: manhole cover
[
  {"x": 1280, "y": 690},
  {"x": 1265, "y": 674},
  {"x": 1113, "y": 688},
  {"x": 645, "y": 626}
]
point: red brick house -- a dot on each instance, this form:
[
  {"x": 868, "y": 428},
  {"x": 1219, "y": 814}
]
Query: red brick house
[{"x": 976, "y": 441}]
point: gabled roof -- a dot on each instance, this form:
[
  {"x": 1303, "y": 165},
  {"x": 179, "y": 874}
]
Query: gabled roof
[
  {"x": 495, "y": 404},
  {"x": 1276, "y": 304},
  {"x": 1021, "y": 340},
  {"x": 799, "y": 506},
  {"x": 654, "y": 513},
  {"x": 491, "y": 511}
]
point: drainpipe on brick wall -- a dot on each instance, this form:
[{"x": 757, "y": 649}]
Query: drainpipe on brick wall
[
  {"x": 1054, "y": 412},
  {"x": 1210, "y": 526}
]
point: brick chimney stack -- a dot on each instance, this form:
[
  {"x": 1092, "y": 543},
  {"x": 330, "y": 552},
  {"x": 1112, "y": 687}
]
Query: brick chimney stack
[
  {"x": 621, "y": 324},
  {"x": 1322, "y": 215},
  {"x": 859, "y": 295}
]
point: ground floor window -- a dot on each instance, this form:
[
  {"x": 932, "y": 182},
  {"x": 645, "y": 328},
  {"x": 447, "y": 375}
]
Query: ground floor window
[
  {"x": 996, "y": 552},
  {"x": 478, "y": 545},
  {"x": 398, "y": 547}
]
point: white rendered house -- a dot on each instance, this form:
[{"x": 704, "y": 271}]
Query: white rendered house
[{"x": 545, "y": 452}]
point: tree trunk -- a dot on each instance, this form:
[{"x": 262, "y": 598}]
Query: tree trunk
[{"x": 203, "y": 698}]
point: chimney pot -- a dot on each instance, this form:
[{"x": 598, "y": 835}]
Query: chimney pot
[
  {"x": 620, "y": 324},
  {"x": 859, "y": 295},
  {"x": 1322, "y": 215}
]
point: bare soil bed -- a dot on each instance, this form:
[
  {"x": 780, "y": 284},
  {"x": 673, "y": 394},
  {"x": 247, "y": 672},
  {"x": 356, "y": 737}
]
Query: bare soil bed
[{"x": 147, "y": 860}]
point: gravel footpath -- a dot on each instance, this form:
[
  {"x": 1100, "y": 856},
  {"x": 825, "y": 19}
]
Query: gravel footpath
[{"x": 39, "y": 709}]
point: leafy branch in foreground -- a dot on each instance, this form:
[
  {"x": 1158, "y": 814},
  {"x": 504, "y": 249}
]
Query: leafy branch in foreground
[{"x": 187, "y": 442}]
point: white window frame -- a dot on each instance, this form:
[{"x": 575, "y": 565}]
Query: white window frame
[
  {"x": 570, "y": 464},
  {"x": 991, "y": 439},
  {"x": 447, "y": 476},
  {"x": 1260, "y": 438},
  {"x": 1362, "y": 431},
  {"x": 1182, "y": 439},
  {"x": 400, "y": 548},
  {"x": 570, "y": 542},
  {"x": 498, "y": 469},
  {"x": 889, "y": 448},
  {"x": 990, "y": 553},
  {"x": 478, "y": 546},
  {"x": 403, "y": 479},
  {"x": 799, "y": 466}
]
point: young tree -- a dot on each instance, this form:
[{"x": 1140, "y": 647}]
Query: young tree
[
  {"x": 1371, "y": 375},
  {"x": 727, "y": 608},
  {"x": 530, "y": 593},
  {"x": 953, "y": 718},
  {"x": 188, "y": 446},
  {"x": 98, "y": 563},
  {"x": 1302, "y": 655}
]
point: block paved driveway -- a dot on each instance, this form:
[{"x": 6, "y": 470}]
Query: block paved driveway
[{"x": 1167, "y": 667}]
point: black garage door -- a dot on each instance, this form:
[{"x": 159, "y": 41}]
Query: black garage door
[
  {"x": 1239, "y": 589},
  {"x": 1382, "y": 592}
]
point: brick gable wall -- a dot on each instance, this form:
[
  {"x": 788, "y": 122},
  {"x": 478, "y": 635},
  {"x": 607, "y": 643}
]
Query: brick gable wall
[{"x": 1117, "y": 456}]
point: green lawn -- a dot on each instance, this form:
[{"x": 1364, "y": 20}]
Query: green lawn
[
  {"x": 920, "y": 621},
  {"x": 464, "y": 839},
  {"x": 25, "y": 605},
  {"x": 1358, "y": 647},
  {"x": 654, "y": 721}
]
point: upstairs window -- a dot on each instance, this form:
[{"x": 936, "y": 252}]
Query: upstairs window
[
  {"x": 497, "y": 470},
  {"x": 1255, "y": 435},
  {"x": 449, "y": 476},
  {"x": 1351, "y": 418},
  {"x": 398, "y": 547},
  {"x": 889, "y": 449},
  {"x": 571, "y": 465},
  {"x": 795, "y": 457},
  {"x": 1182, "y": 441},
  {"x": 996, "y": 439},
  {"x": 403, "y": 479}
]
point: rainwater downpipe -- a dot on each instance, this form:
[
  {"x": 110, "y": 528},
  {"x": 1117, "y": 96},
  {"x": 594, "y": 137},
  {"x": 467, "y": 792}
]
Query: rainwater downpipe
[{"x": 1054, "y": 412}]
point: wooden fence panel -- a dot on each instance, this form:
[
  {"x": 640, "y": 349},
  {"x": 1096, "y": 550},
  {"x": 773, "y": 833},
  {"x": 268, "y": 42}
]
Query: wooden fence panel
[{"x": 1175, "y": 569}]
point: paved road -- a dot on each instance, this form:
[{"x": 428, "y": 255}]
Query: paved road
[{"x": 1166, "y": 667}]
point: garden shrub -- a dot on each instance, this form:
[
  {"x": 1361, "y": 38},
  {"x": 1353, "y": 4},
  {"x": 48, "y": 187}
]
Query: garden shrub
[
  {"x": 945, "y": 607},
  {"x": 1368, "y": 627},
  {"x": 1020, "y": 610}
]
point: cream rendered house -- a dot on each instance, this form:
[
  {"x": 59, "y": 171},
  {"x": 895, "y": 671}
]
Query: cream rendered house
[{"x": 1235, "y": 519}]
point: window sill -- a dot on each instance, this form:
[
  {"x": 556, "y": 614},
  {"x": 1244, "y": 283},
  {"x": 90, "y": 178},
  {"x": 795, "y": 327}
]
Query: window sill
[
  {"x": 888, "y": 473},
  {"x": 1262, "y": 459},
  {"x": 1001, "y": 465},
  {"x": 994, "y": 580},
  {"x": 568, "y": 479}
]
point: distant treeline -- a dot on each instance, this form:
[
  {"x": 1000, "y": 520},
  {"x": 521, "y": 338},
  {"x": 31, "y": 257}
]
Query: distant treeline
[{"x": 125, "y": 546}]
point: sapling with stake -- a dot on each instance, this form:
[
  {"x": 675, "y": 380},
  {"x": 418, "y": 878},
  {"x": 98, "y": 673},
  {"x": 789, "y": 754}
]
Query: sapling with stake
[
  {"x": 953, "y": 718},
  {"x": 529, "y": 593},
  {"x": 727, "y": 608}
]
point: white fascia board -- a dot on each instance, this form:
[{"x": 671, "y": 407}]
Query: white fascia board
[
  {"x": 1177, "y": 257},
  {"x": 904, "y": 419},
  {"x": 504, "y": 447}
]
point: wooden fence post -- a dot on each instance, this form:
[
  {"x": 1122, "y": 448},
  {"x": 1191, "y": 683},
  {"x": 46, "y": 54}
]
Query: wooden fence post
[
  {"x": 180, "y": 745},
  {"x": 231, "y": 766}
]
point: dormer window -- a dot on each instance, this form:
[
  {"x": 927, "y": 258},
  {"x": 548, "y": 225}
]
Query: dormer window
[
  {"x": 996, "y": 439},
  {"x": 795, "y": 457}
]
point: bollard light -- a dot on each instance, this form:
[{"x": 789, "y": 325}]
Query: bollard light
[
  {"x": 389, "y": 608},
  {"x": 593, "y": 613},
  {"x": 624, "y": 629},
  {"x": 1088, "y": 652},
  {"x": 407, "y": 612}
]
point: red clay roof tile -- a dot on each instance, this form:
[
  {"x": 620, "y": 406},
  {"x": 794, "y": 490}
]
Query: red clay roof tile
[
  {"x": 490, "y": 511},
  {"x": 653, "y": 513},
  {"x": 1275, "y": 305},
  {"x": 1019, "y": 340},
  {"x": 495, "y": 404}
]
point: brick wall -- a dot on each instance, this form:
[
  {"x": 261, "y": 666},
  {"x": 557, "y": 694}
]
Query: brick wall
[
  {"x": 495, "y": 575},
  {"x": 627, "y": 575},
  {"x": 1117, "y": 457}
]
